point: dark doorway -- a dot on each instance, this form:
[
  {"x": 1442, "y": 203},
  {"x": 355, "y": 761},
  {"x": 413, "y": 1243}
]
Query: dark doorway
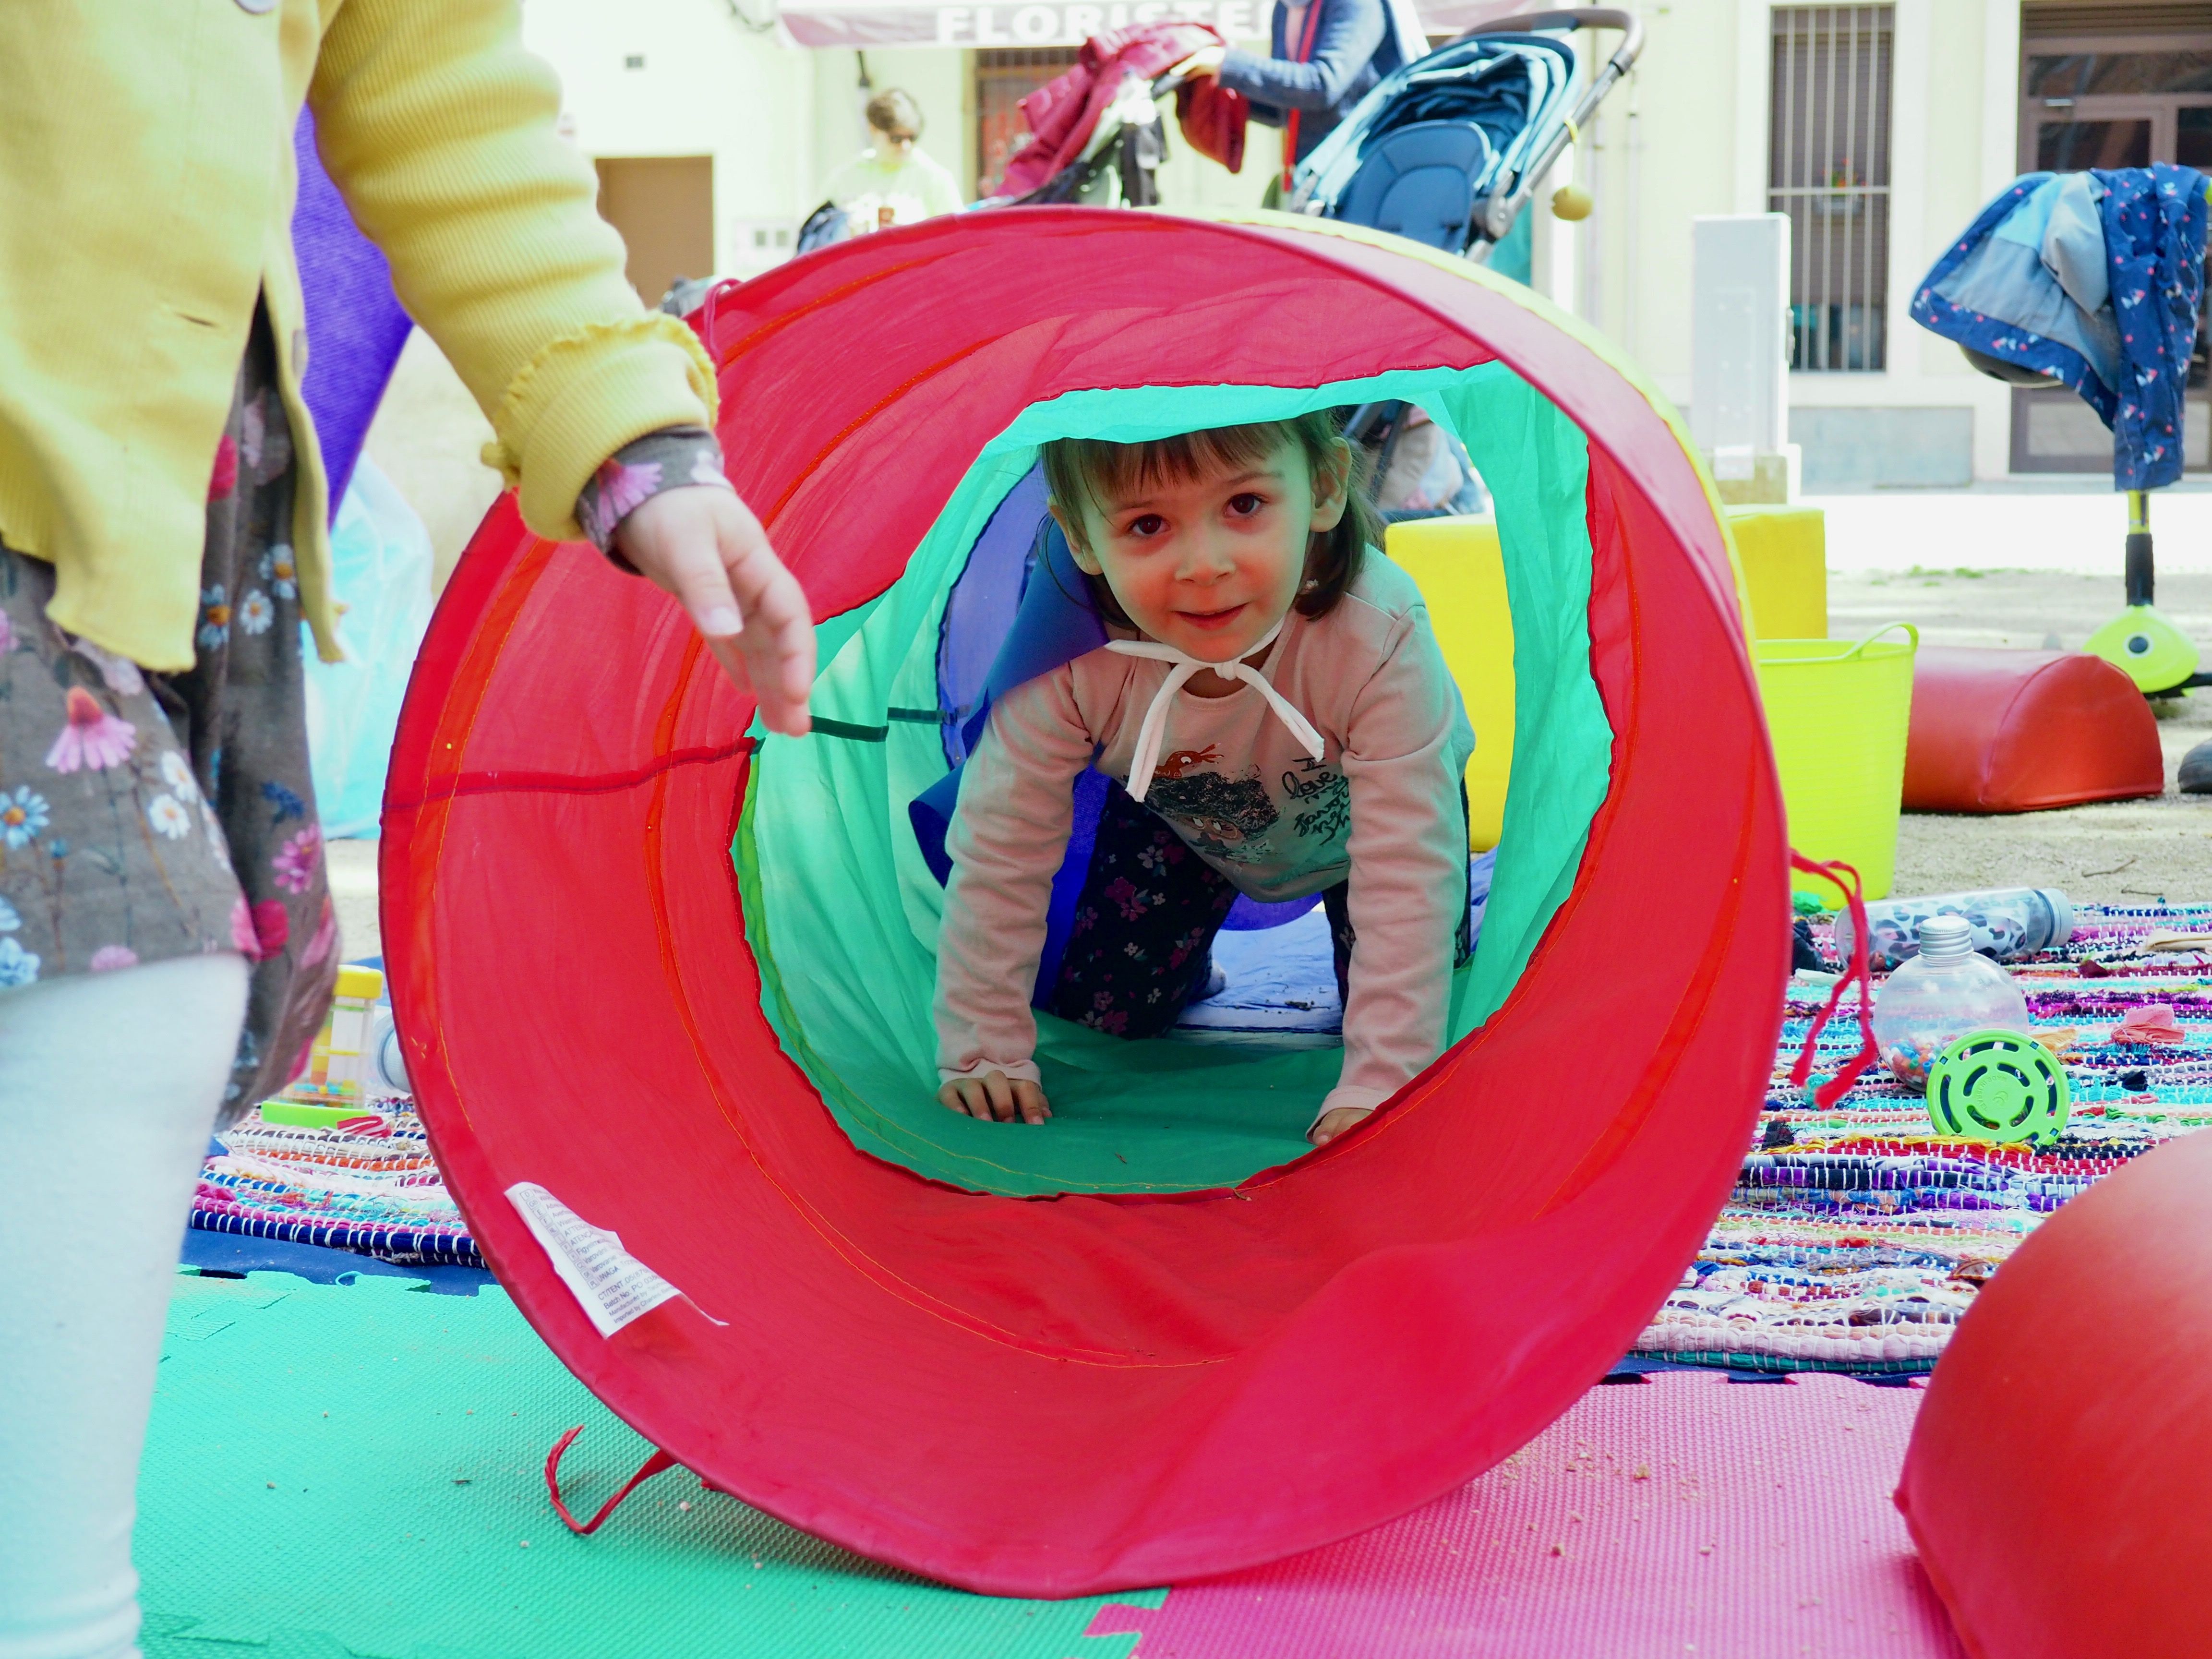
[{"x": 2117, "y": 88}]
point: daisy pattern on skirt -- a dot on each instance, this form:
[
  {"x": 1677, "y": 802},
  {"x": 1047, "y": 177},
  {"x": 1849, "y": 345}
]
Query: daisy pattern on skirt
[
  {"x": 109, "y": 958},
  {"x": 179, "y": 776},
  {"x": 255, "y": 613},
  {"x": 215, "y": 616},
  {"x": 22, "y": 815},
  {"x": 704, "y": 472},
  {"x": 17, "y": 965},
  {"x": 91, "y": 738},
  {"x": 10, "y": 919},
  {"x": 278, "y": 570},
  {"x": 297, "y": 860},
  {"x": 169, "y": 816}
]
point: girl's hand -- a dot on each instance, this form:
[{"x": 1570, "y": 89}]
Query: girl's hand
[
  {"x": 704, "y": 546},
  {"x": 1334, "y": 1123},
  {"x": 1204, "y": 64},
  {"x": 994, "y": 1096}
]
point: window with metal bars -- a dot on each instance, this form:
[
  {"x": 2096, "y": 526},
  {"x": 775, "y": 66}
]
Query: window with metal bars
[
  {"x": 1828, "y": 168},
  {"x": 1002, "y": 78}
]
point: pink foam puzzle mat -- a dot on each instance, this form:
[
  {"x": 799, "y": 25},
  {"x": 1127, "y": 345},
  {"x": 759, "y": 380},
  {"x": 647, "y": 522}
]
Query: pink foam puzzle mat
[{"x": 1688, "y": 1515}]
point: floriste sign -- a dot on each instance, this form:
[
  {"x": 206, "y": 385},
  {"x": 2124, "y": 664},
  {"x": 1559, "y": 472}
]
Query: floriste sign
[
  {"x": 855, "y": 23},
  {"x": 819, "y": 23}
]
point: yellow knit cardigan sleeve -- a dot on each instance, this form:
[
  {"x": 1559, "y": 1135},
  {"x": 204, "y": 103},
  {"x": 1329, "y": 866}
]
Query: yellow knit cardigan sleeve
[{"x": 439, "y": 130}]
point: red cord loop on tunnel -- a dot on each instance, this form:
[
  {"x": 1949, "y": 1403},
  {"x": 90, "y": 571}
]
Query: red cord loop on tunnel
[
  {"x": 652, "y": 1465},
  {"x": 1856, "y": 972}
]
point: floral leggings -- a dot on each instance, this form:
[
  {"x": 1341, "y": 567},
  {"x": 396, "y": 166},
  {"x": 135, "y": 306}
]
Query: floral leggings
[
  {"x": 145, "y": 816},
  {"x": 1141, "y": 946}
]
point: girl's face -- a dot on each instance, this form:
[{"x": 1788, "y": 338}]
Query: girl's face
[{"x": 1208, "y": 564}]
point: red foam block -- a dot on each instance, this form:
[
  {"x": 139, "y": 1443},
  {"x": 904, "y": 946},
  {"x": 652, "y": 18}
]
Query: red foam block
[
  {"x": 2059, "y": 1480},
  {"x": 2020, "y": 730}
]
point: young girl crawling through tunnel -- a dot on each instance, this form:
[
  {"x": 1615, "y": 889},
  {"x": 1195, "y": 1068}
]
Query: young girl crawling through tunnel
[{"x": 1277, "y": 720}]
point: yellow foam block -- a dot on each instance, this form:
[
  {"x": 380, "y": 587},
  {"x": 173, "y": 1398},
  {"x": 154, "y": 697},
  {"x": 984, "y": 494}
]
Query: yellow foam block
[
  {"x": 1462, "y": 574},
  {"x": 1785, "y": 553}
]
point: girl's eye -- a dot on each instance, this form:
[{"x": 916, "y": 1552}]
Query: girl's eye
[
  {"x": 1147, "y": 524},
  {"x": 1245, "y": 506}
]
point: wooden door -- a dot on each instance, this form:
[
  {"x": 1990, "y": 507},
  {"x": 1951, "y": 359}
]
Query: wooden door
[
  {"x": 663, "y": 206},
  {"x": 2116, "y": 99}
]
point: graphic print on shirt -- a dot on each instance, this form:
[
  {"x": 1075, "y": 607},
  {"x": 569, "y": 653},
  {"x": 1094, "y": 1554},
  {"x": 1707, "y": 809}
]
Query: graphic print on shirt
[
  {"x": 1228, "y": 818},
  {"x": 1326, "y": 794}
]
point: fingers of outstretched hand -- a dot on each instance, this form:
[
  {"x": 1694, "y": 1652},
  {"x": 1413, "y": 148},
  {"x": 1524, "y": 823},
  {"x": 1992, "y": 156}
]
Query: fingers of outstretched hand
[
  {"x": 703, "y": 545},
  {"x": 778, "y": 642}
]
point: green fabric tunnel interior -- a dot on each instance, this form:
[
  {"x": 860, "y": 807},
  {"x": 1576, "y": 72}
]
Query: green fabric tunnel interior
[{"x": 841, "y": 912}]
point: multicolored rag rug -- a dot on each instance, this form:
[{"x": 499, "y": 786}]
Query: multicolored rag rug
[
  {"x": 1857, "y": 1237},
  {"x": 1854, "y": 1240},
  {"x": 371, "y": 1186}
]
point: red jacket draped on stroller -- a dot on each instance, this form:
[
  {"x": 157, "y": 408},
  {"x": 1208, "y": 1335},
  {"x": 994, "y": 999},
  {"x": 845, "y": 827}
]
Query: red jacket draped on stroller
[{"x": 1063, "y": 114}]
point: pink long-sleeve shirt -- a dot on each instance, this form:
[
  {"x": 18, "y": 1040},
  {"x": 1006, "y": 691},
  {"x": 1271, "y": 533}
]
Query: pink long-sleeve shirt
[{"x": 1382, "y": 807}]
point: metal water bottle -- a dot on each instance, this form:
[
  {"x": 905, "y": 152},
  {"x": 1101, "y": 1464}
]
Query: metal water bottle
[{"x": 2006, "y": 923}]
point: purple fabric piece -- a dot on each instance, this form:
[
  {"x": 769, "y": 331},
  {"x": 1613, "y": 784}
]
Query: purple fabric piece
[
  {"x": 980, "y": 611},
  {"x": 1054, "y": 625},
  {"x": 356, "y": 326}
]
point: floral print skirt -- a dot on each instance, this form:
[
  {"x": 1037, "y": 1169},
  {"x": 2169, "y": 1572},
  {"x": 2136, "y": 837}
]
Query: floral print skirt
[
  {"x": 146, "y": 816},
  {"x": 1142, "y": 943}
]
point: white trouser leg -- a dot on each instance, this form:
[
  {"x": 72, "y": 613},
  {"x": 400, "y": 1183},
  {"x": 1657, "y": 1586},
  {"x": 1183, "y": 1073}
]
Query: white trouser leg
[{"x": 109, "y": 1085}]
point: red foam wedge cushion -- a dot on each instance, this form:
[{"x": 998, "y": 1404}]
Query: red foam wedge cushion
[
  {"x": 2018, "y": 731},
  {"x": 2059, "y": 1480}
]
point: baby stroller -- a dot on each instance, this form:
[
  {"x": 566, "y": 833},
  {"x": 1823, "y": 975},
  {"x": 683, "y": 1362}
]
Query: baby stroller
[
  {"x": 1448, "y": 150},
  {"x": 1119, "y": 165}
]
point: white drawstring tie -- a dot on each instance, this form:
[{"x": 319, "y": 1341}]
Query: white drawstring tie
[{"x": 1153, "y": 732}]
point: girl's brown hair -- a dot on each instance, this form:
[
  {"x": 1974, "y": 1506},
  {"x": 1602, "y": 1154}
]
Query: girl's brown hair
[{"x": 1082, "y": 473}]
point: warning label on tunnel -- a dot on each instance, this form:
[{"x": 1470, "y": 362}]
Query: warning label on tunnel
[{"x": 613, "y": 1285}]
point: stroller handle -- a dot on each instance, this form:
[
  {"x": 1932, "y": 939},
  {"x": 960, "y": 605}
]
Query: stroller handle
[
  {"x": 1595, "y": 17},
  {"x": 1506, "y": 201}
]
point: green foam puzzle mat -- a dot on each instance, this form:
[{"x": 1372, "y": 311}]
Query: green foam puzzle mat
[{"x": 356, "y": 1472}]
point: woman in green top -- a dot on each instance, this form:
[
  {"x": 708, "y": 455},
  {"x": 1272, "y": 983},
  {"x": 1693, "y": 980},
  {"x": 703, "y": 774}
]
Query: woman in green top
[{"x": 893, "y": 182}]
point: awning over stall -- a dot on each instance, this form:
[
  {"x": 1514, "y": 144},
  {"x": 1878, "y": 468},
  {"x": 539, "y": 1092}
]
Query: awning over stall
[{"x": 856, "y": 24}]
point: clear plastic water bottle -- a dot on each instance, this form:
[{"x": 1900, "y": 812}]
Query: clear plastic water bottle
[
  {"x": 2008, "y": 923},
  {"x": 1944, "y": 992}
]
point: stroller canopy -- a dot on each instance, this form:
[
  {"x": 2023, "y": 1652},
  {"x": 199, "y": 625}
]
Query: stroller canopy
[{"x": 1433, "y": 139}]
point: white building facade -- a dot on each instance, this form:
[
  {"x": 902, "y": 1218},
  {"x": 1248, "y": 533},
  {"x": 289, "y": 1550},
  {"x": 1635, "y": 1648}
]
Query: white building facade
[{"x": 1878, "y": 130}]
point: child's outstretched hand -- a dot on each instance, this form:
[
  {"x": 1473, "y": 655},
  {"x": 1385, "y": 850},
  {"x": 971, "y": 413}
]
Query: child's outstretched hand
[
  {"x": 1334, "y": 1123},
  {"x": 995, "y": 1095},
  {"x": 705, "y": 547}
]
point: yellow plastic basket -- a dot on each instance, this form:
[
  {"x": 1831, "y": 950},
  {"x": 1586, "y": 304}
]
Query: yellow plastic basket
[{"x": 1837, "y": 711}]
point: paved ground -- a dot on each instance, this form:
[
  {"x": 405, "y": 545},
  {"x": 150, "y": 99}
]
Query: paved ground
[{"x": 2123, "y": 853}]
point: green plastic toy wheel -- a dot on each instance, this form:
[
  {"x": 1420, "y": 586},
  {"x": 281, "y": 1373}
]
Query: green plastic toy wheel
[{"x": 1998, "y": 1086}]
